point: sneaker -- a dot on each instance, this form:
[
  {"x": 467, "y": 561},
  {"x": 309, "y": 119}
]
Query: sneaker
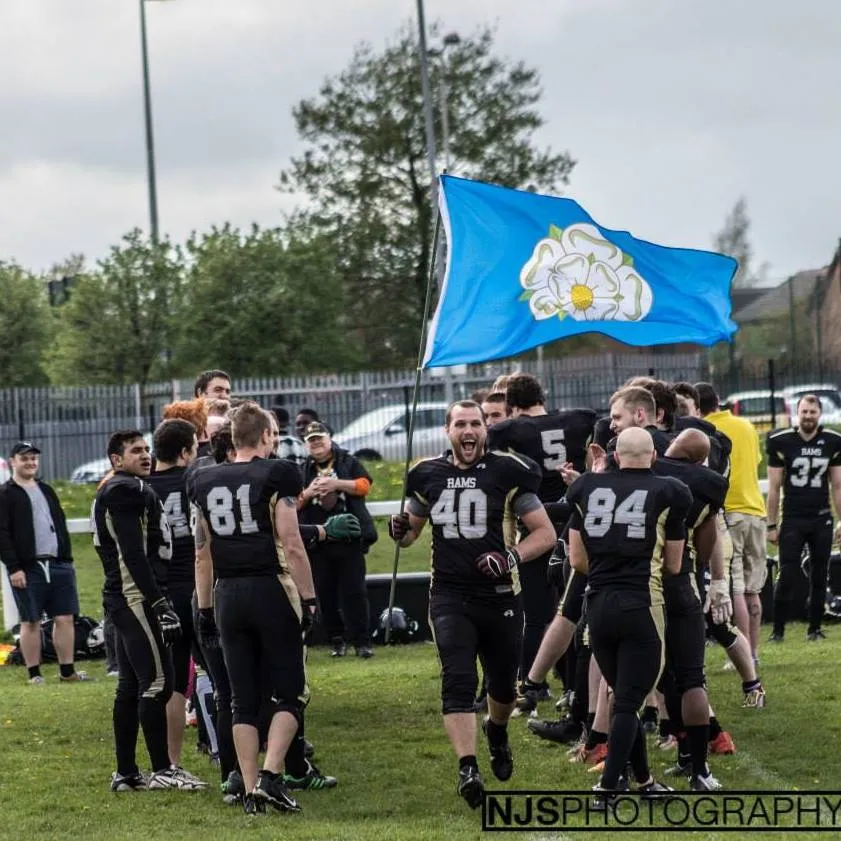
[
  {"x": 590, "y": 757},
  {"x": 233, "y": 789},
  {"x": 112, "y": 673},
  {"x": 309, "y": 749},
  {"x": 271, "y": 790},
  {"x": 364, "y": 651},
  {"x": 502, "y": 759},
  {"x": 777, "y": 636},
  {"x": 723, "y": 743},
  {"x": 666, "y": 742},
  {"x": 471, "y": 786},
  {"x": 253, "y": 806},
  {"x": 655, "y": 791},
  {"x": 701, "y": 783},
  {"x": 338, "y": 648},
  {"x": 603, "y": 800},
  {"x": 755, "y": 699},
  {"x": 176, "y": 778},
  {"x": 564, "y": 702},
  {"x": 76, "y": 677},
  {"x": 128, "y": 782},
  {"x": 815, "y": 636},
  {"x": 679, "y": 769},
  {"x": 563, "y": 732},
  {"x": 313, "y": 780},
  {"x": 38, "y": 680}
]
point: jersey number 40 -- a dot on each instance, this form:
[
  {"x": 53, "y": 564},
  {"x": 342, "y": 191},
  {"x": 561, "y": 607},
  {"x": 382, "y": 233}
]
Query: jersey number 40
[{"x": 461, "y": 513}]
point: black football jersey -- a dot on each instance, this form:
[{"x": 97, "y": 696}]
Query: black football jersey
[
  {"x": 237, "y": 501},
  {"x": 708, "y": 490},
  {"x": 471, "y": 511},
  {"x": 602, "y": 433},
  {"x": 624, "y": 516},
  {"x": 548, "y": 440},
  {"x": 170, "y": 486},
  {"x": 720, "y": 444},
  {"x": 806, "y": 465},
  {"x": 661, "y": 439},
  {"x": 132, "y": 538}
]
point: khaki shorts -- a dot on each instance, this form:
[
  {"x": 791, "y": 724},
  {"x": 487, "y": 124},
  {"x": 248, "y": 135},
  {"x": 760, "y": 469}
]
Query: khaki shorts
[{"x": 749, "y": 568}]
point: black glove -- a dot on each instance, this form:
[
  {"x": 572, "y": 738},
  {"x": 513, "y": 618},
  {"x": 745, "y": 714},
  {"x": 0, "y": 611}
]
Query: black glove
[
  {"x": 497, "y": 565},
  {"x": 555, "y": 568},
  {"x": 309, "y": 613},
  {"x": 343, "y": 527},
  {"x": 206, "y": 629},
  {"x": 168, "y": 620},
  {"x": 398, "y": 527}
]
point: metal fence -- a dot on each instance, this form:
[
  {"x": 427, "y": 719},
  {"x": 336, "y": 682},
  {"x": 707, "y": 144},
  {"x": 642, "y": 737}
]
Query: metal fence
[{"x": 71, "y": 425}]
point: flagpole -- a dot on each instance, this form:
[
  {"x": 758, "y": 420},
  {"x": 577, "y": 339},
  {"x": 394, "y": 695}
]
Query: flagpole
[{"x": 427, "y": 305}]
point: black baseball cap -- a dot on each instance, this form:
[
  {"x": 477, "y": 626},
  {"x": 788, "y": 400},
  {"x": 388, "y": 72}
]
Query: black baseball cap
[
  {"x": 24, "y": 447},
  {"x": 315, "y": 430}
]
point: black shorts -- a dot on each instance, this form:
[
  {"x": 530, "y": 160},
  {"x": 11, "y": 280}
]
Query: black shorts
[
  {"x": 263, "y": 646},
  {"x": 182, "y": 649},
  {"x": 626, "y": 637},
  {"x": 465, "y": 628},
  {"x": 50, "y": 588},
  {"x": 685, "y": 633}
]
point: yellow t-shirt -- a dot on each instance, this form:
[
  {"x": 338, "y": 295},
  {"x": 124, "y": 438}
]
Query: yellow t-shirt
[{"x": 744, "y": 496}]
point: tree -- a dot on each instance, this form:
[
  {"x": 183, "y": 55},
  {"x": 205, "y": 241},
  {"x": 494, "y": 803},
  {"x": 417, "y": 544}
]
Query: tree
[
  {"x": 366, "y": 175},
  {"x": 734, "y": 240},
  {"x": 119, "y": 323},
  {"x": 265, "y": 302},
  {"x": 25, "y": 327}
]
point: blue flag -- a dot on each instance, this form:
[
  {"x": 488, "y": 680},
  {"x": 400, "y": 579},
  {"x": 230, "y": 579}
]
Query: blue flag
[{"x": 525, "y": 269}]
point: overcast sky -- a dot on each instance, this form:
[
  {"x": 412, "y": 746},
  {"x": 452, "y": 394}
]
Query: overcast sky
[{"x": 672, "y": 109}]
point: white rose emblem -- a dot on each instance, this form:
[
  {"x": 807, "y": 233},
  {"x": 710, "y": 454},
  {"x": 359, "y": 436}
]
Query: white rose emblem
[{"x": 577, "y": 272}]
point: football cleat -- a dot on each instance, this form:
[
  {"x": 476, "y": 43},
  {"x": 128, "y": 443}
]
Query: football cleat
[
  {"x": 128, "y": 782},
  {"x": 755, "y": 699},
  {"x": 313, "y": 780},
  {"x": 701, "y": 783},
  {"x": 471, "y": 786},
  {"x": 680, "y": 769},
  {"x": 592, "y": 757},
  {"x": 253, "y": 806},
  {"x": 233, "y": 789},
  {"x": 564, "y": 702},
  {"x": 563, "y": 732},
  {"x": 271, "y": 790},
  {"x": 76, "y": 677},
  {"x": 815, "y": 636},
  {"x": 777, "y": 636},
  {"x": 175, "y": 778},
  {"x": 723, "y": 743},
  {"x": 655, "y": 791}
]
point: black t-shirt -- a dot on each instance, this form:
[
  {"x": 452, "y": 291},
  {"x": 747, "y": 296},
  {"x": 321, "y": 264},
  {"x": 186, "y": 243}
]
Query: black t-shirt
[
  {"x": 720, "y": 444},
  {"x": 548, "y": 440},
  {"x": 170, "y": 486},
  {"x": 237, "y": 501},
  {"x": 132, "y": 539},
  {"x": 806, "y": 465},
  {"x": 469, "y": 511},
  {"x": 624, "y": 516},
  {"x": 708, "y": 490}
]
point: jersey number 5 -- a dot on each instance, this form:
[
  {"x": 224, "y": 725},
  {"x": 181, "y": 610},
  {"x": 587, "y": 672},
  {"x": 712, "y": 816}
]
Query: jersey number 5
[
  {"x": 603, "y": 512},
  {"x": 223, "y": 518},
  {"x": 468, "y": 517},
  {"x": 552, "y": 441}
]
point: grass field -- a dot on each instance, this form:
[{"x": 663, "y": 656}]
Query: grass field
[{"x": 376, "y": 726}]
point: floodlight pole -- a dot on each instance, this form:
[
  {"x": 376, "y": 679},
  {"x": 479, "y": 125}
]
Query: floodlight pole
[{"x": 150, "y": 138}]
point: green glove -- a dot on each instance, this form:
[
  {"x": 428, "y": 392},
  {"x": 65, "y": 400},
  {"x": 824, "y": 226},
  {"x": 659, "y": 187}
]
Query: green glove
[{"x": 343, "y": 527}]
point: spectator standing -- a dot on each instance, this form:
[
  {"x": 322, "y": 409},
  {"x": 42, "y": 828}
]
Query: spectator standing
[
  {"x": 335, "y": 482},
  {"x": 288, "y": 446},
  {"x": 744, "y": 511},
  {"x": 35, "y": 547},
  {"x": 213, "y": 384},
  {"x": 303, "y": 419}
]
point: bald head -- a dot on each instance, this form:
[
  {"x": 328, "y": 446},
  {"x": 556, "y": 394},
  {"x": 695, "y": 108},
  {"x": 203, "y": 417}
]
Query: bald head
[
  {"x": 634, "y": 448},
  {"x": 691, "y": 445}
]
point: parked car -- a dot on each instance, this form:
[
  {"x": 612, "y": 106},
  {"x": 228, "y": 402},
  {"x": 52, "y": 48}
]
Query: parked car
[
  {"x": 827, "y": 393},
  {"x": 756, "y": 407},
  {"x": 94, "y": 471},
  {"x": 382, "y": 433}
]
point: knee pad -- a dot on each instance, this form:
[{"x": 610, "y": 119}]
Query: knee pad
[{"x": 457, "y": 692}]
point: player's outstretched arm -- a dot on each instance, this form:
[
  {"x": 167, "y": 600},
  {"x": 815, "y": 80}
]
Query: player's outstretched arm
[{"x": 286, "y": 527}]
